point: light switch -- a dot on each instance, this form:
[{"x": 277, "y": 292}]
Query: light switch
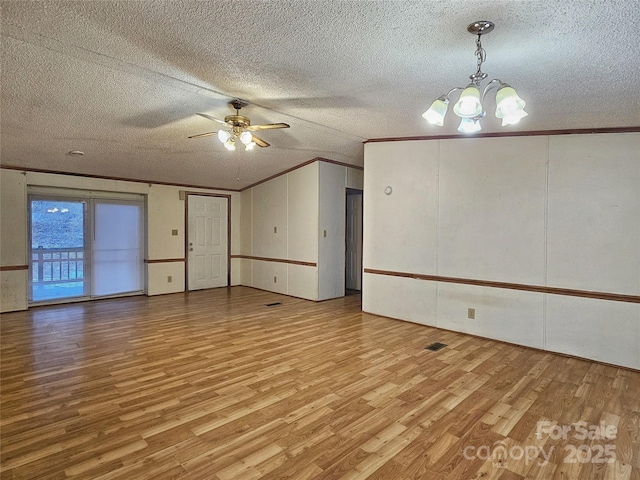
[{"x": 174, "y": 233}]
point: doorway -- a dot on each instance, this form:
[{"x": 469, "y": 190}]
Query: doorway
[
  {"x": 208, "y": 243},
  {"x": 353, "y": 234}
]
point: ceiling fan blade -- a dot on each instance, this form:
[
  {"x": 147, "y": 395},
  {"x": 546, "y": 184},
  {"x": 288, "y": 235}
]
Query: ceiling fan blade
[
  {"x": 208, "y": 134},
  {"x": 214, "y": 119},
  {"x": 260, "y": 142},
  {"x": 267, "y": 126}
]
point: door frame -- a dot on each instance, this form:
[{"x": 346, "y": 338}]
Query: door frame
[{"x": 186, "y": 234}]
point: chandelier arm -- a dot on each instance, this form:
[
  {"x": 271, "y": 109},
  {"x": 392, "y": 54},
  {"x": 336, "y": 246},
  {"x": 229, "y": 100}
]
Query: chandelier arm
[
  {"x": 491, "y": 84},
  {"x": 453, "y": 90}
]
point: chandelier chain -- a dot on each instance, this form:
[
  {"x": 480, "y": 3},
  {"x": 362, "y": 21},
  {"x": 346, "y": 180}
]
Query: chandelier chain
[{"x": 480, "y": 53}]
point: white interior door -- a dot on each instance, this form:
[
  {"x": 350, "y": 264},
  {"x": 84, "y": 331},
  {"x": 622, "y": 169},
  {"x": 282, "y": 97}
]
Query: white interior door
[
  {"x": 353, "y": 280},
  {"x": 207, "y": 239}
]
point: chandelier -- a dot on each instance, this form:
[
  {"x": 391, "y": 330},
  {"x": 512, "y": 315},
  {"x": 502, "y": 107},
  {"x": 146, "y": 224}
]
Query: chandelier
[{"x": 509, "y": 106}]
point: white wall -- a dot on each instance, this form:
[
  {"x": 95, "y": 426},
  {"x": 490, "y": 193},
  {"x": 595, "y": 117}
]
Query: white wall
[
  {"x": 555, "y": 211},
  {"x": 165, "y": 212},
  {"x": 289, "y": 202},
  {"x": 302, "y": 213},
  {"x": 332, "y": 223},
  {"x": 492, "y": 209},
  {"x": 270, "y": 218},
  {"x": 594, "y": 204},
  {"x": 13, "y": 240},
  {"x": 279, "y": 223},
  {"x": 301, "y": 205}
]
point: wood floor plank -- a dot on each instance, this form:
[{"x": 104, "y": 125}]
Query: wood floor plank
[{"x": 216, "y": 385}]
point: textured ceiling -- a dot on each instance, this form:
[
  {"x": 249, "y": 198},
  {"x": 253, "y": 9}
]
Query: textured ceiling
[{"x": 123, "y": 80}]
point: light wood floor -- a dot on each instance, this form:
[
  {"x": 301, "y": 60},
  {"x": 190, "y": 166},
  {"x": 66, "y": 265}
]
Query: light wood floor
[{"x": 216, "y": 385}]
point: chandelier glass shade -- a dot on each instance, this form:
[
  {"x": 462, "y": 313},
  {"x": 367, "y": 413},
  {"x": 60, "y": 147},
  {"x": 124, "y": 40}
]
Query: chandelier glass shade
[{"x": 469, "y": 107}]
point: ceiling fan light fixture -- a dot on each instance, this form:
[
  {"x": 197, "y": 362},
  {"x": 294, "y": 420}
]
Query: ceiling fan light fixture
[
  {"x": 246, "y": 137},
  {"x": 223, "y": 136},
  {"x": 230, "y": 145},
  {"x": 509, "y": 106},
  {"x": 238, "y": 127}
]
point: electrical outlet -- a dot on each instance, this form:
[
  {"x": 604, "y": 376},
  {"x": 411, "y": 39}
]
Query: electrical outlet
[
  {"x": 471, "y": 313},
  {"x": 275, "y": 279},
  {"x": 169, "y": 279}
]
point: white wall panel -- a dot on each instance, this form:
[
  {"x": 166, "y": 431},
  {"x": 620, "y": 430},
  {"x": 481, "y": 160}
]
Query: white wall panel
[
  {"x": 598, "y": 329},
  {"x": 269, "y": 205},
  {"x": 236, "y": 211},
  {"x": 492, "y": 209},
  {"x": 246, "y": 271},
  {"x": 508, "y": 315},
  {"x": 302, "y": 281},
  {"x": 302, "y": 217},
  {"x": 355, "y": 178},
  {"x": 594, "y": 212},
  {"x": 13, "y": 240},
  {"x": 13, "y": 290},
  {"x": 157, "y": 273},
  {"x": 85, "y": 183},
  {"x": 165, "y": 213},
  {"x": 236, "y": 271},
  {"x": 400, "y": 229},
  {"x": 264, "y": 274},
  {"x": 13, "y": 218},
  {"x": 332, "y": 220},
  {"x": 400, "y": 297},
  {"x": 246, "y": 221}
]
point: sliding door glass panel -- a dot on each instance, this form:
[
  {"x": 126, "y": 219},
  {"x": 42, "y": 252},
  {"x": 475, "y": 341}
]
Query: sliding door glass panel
[
  {"x": 58, "y": 249},
  {"x": 117, "y": 247}
]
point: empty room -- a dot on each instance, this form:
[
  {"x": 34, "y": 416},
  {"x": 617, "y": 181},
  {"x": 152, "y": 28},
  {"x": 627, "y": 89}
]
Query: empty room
[{"x": 320, "y": 239}]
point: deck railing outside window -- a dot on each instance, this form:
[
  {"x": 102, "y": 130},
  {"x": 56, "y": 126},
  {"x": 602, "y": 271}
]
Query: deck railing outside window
[{"x": 57, "y": 265}]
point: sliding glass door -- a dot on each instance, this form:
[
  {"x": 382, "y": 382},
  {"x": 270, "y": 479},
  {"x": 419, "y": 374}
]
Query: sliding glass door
[
  {"x": 58, "y": 249},
  {"x": 85, "y": 247},
  {"x": 118, "y": 253}
]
